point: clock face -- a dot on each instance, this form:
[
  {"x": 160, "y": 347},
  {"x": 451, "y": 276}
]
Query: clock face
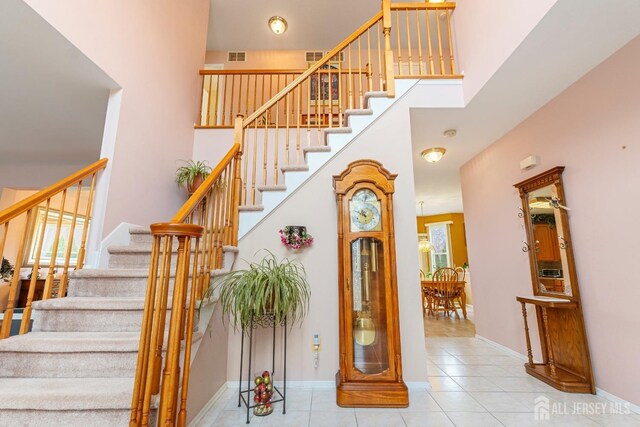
[{"x": 364, "y": 209}]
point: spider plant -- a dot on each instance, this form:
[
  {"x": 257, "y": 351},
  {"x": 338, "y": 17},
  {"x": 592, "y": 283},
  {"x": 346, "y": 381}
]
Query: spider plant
[
  {"x": 192, "y": 171},
  {"x": 269, "y": 286}
]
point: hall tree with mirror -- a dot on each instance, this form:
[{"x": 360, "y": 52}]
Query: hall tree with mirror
[{"x": 566, "y": 361}]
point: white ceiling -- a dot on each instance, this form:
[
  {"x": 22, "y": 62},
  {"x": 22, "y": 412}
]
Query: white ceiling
[
  {"x": 53, "y": 101},
  {"x": 523, "y": 84},
  {"x": 313, "y": 25}
]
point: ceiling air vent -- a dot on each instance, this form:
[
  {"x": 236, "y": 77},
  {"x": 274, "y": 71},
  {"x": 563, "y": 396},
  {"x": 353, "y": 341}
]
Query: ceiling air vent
[
  {"x": 338, "y": 58},
  {"x": 236, "y": 56},
  {"x": 313, "y": 56}
]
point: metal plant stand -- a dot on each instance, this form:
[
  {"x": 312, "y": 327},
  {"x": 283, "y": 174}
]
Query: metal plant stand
[{"x": 244, "y": 396}]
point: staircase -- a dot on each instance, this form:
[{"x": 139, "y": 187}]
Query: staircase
[
  {"x": 332, "y": 141},
  {"x": 77, "y": 366}
]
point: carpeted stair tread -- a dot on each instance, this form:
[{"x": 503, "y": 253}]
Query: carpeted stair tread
[
  {"x": 71, "y": 342},
  {"x": 101, "y": 273},
  {"x": 359, "y": 112},
  {"x": 316, "y": 149},
  {"x": 295, "y": 168},
  {"x": 90, "y": 303},
  {"x": 336, "y": 130},
  {"x": 281, "y": 187},
  {"x": 59, "y": 394},
  {"x": 250, "y": 208}
]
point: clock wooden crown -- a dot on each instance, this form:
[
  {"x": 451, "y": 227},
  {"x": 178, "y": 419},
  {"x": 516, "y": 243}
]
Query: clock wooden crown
[{"x": 363, "y": 171}]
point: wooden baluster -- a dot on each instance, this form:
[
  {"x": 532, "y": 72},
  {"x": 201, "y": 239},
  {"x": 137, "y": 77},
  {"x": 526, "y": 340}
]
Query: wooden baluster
[
  {"x": 211, "y": 229},
  {"x": 216, "y": 100},
  {"x": 380, "y": 78},
  {"x": 171, "y": 373},
  {"x": 204, "y": 275},
  {"x": 408, "y": 41},
  {"x": 228, "y": 200},
  {"x": 220, "y": 223},
  {"x": 440, "y": 44},
  {"x": 186, "y": 363},
  {"x": 350, "y": 81},
  {"x": 233, "y": 92},
  {"x": 64, "y": 279},
  {"x": 286, "y": 146},
  {"x": 388, "y": 53},
  {"x": 420, "y": 68},
  {"x": 85, "y": 227},
  {"x": 340, "y": 107},
  {"x": 26, "y": 313},
  {"x": 323, "y": 100},
  {"x": 369, "y": 63},
  {"x": 246, "y": 98},
  {"x": 451, "y": 60},
  {"x": 48, "y": 283},
  {"x": 255, "y": 93},
  {"x": 4, "y": 238},
  {"x": 265, "y": 148},
  {"x": 224, "y": 99},
  {"x": 308, "y": 117},
  {"x": 142, "y": 365},
  {"x": 399, "y": 42},
  {"x": 431, "y": 65},
  {"x": 13, "y": 288},
  {"x": 526, "y": 333},
  {"x": 318, "y": 91},
  {"x": 206, "y": 121},
  {"x": 236, "y": 196},
  {"x": 245, "y": 169},
  {"x": 240, "y": 94},
  {"x": 547, "y": 337},
  {"x": 360, "y": 93},
  {"x": 299, "y": 116},
  {"x": 255, "y": 159},
  {"x": 275, "y": 153},
  {"x": 330, "y": 100}
]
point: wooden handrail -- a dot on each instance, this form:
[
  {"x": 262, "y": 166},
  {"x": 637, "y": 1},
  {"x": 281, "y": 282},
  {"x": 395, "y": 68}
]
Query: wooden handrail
[
  {"x": 268, "y": 71},
  {"x": 200, "y": 193},
  {"x": 42, "y": 195},
  {"x": 314, "y": 68},
  {"x": 29, "y": 207}
]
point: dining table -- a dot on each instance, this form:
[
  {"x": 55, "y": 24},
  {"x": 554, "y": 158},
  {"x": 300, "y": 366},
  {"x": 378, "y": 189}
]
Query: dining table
[{"x": 429, "y": 285}]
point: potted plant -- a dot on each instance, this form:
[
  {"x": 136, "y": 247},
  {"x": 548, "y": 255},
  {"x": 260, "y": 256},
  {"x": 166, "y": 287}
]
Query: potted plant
[
  {"x": 192, "y": 174},
  {"x": 269, "y": 286}
]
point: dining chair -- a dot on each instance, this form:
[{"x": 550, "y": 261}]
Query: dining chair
[{"x": 445, "y": 292}]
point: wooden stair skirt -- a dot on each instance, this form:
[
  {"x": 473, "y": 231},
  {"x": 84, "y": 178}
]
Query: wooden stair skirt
[{"x": 362, "y": 394}]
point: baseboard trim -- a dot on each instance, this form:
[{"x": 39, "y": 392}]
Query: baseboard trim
[
  {"x": 210, "y": 404},
  {"x": 327, "y": 384},
  {"x": 612, "y": 397},
  {"x": 632, "y": 407}
]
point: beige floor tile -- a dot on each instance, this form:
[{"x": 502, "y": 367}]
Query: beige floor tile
[
  {"x": 333, "y": 419},
  {"x": 235, "y": 418},
  {"x": 325, "y": 400},
  {"x": 456, "y": 401},
  {"x": 421, "y": 401},
  {"x": 426, "y": 419},
  {"x": 499, "y": 402},
  {"x": 290, "y": 419},
  {"x": 521, "y": 419},
  {"x": 616, "y": 420},
  {"x": 520, "y": 384},
  {"x": 443, "y": 384},
  {"x": 476, "y": 384},
  {"x": 436, "y": 371},
  {"x": 299, "y": 399},
  {"x": 445, "y": 360},
  {"x": 379, "y": 419},
  {"x": 470, "y": 419},
  {"x": 507, "y": 360}
]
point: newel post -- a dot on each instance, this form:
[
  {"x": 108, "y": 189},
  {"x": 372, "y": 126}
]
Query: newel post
[{"x": 388, "y": 53}]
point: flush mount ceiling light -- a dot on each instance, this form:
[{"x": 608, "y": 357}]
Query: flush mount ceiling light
[
  {"x": 433, "y": 155},
  {"x": 450, "y": 133},
  {"x": 277, "y": 24}
]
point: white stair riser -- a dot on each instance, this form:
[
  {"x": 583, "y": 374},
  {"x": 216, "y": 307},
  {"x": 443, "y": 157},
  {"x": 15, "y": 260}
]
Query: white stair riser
[
  {"x": 88, "y": 320},
  {"x": 111, "y": 287}
]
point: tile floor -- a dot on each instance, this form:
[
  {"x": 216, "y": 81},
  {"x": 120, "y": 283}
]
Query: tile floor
[{"x": 472, "y": 384}]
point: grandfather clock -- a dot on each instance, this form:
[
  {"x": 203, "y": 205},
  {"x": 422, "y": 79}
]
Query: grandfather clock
[{"x": 370, "y": 372}]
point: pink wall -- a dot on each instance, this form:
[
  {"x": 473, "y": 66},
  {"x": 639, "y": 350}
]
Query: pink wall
[
  {"x": 153, "y": 49},
  {"x": 592, "y": 128}
]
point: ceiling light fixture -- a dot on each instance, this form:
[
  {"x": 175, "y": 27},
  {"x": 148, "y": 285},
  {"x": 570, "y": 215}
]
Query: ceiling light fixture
[
  {"x": 277, "y": 24},
  {"x": 450, "y": 133},
  {"x": 433, "y": 155},
  {"x": 424, "y": 245}
]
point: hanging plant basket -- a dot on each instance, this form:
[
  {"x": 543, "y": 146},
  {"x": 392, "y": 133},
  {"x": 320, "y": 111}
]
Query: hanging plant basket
[{"x": 295, "y": 236}]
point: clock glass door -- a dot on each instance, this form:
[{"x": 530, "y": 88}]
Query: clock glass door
[{"x": 369, "y": 316}]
